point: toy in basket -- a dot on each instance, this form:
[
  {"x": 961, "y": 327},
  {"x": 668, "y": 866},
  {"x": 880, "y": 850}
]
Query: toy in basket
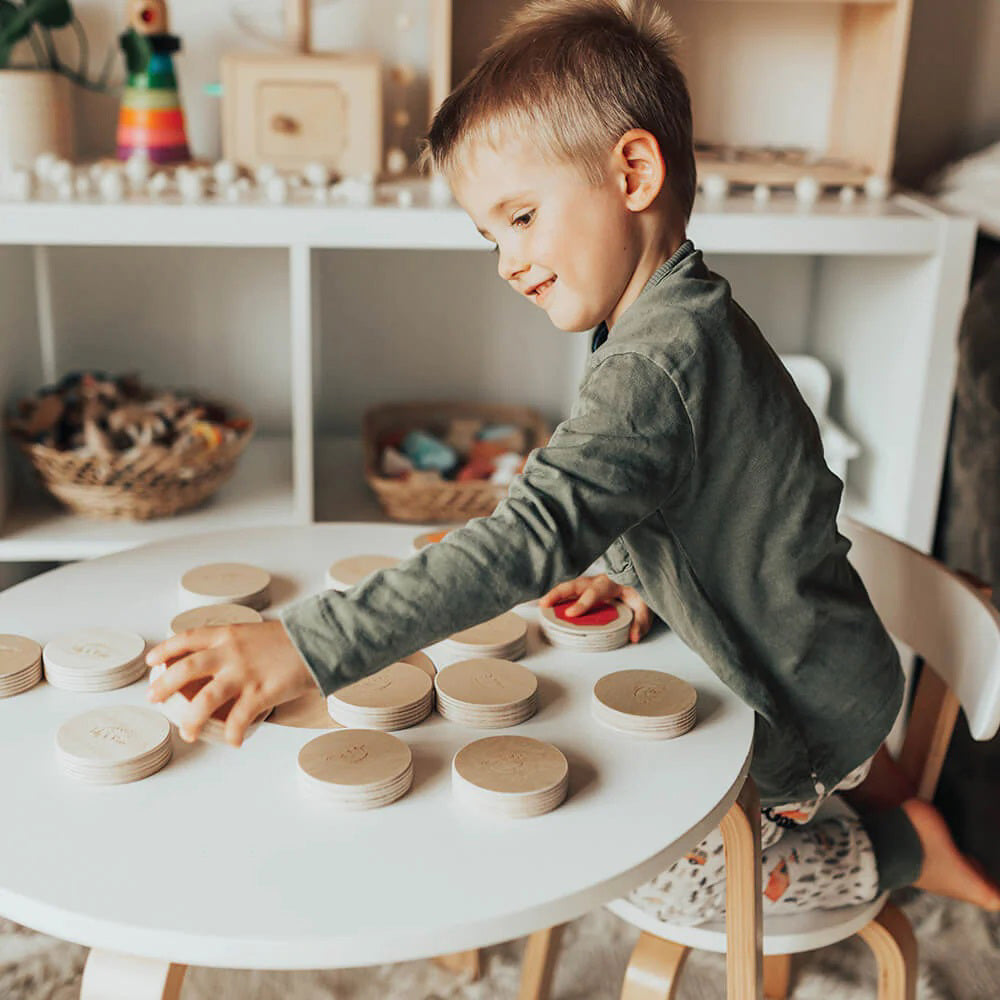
[
  {"x": 112, "y": 448},
  {"x": 446, "y": 461}
]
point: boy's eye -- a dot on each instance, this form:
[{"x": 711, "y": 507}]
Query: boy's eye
[{"x": 523, "y": 220}]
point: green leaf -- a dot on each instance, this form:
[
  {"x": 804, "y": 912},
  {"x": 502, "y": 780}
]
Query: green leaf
[
  {"x": 14, "y": 25},
  {"x": 53, "y": 13}
]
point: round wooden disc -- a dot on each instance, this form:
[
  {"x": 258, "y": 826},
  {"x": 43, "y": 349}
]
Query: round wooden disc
[
  {"x": 348, "y": 572},
  {"x": 309, "y": 711},
  {"x": 226, "y": 580},
  {"x": 17, "y": 654},
  {"x": 215, "y": 614},
  {"x": 395, "y": 686},
  {"x": 94, "y": 650},
  {"x": 114, "y": 734},
  {"x": 647, "y": 693},
  {"x": 505, "y": 628},
  {"x": 511, "y": 764},
  {"x": 591, "y": 624},
  {"x": 487, "y": 681},
  {"x": 355, "y": 757}
]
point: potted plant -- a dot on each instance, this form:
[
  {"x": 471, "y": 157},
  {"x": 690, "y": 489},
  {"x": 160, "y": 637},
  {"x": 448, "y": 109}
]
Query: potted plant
[{"x": 36, "y": 99}]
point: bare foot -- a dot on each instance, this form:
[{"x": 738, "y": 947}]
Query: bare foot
[{"x": 946, "y": 871}]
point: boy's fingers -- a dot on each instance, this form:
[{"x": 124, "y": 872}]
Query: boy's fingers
[
  {"x": 181, "y": 644},
  {"x": 584, "y": 602},
  {"x": 246, "y": 709},
  {"x": 642, "y": 619},
  {"x": 561, "y": 592},
  {"x": 182, "y": 672},
  {"x": 211, "y": 697}
]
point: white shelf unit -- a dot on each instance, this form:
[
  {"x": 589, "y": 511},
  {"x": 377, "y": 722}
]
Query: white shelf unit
[{"x": 308, "y": 313}]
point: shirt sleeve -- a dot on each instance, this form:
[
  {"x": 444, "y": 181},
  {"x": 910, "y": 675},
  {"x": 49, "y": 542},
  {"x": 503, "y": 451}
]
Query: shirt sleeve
[{"x": 626, "y": 447}]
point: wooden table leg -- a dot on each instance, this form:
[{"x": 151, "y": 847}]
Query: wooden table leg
[
  {"x": 539, "y": 963},
  {"x": 741, "y": 836},
  {"x": 462, "y": 963},
  {"x": 109, "y": 976}
]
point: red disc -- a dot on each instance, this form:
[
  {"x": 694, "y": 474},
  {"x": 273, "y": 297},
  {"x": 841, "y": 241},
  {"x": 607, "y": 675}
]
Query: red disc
[{"x": 599, "y": 614}]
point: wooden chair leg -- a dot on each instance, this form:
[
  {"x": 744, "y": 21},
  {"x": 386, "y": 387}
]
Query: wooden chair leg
[
  {"x": 894, "y": 945},
  {"x": 654, "y": 969},
  {"x": 740, "y": 829},
  {"x": 462, "y": 963},
  {"x": 108, "y": 976},
  {"x": 539, "y": 963},
  {"x": 777, "y": 976}
]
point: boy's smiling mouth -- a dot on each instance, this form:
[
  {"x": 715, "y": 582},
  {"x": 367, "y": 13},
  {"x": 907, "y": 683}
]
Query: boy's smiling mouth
[{"x": 539, "y": 291}]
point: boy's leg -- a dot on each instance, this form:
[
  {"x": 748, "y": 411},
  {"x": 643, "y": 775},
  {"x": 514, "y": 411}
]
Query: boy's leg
[{"x": 911, "y": 839}]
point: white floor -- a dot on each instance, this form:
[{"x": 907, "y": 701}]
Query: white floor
[{"x": 959, "y": 960}]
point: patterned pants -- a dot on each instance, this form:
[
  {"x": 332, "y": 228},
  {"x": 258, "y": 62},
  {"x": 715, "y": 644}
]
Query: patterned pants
[{"x": 807, "y": 865}]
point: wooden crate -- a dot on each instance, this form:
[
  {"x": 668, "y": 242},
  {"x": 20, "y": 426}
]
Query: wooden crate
[
  {"x": 301, "y": 107},
  {"x": 873, "y": 36}
]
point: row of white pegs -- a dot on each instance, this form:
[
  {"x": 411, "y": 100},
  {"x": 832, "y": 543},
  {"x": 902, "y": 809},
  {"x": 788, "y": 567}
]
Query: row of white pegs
[
  {"x": 715, "y": 188},
  {"x": 139, "y": 177}
]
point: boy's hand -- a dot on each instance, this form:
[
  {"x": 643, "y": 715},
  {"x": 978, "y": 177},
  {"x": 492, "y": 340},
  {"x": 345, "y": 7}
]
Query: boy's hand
[
  {"x": 257, "y": 665},
  {"x": 591, "y": 590}
]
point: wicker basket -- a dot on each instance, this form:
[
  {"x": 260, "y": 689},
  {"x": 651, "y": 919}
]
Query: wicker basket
[
  {"x": 443, "y": 501},
  {"x": 139, "y": 484}
]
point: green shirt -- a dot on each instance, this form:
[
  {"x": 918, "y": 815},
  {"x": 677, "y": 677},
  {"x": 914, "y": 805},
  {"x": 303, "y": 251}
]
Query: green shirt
[{"x": 692, "y": 463}]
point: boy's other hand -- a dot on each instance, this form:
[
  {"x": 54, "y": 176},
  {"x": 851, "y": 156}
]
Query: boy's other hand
[
  {"x": 591, "y": 590},
  {"x": 257, "y": 665}
]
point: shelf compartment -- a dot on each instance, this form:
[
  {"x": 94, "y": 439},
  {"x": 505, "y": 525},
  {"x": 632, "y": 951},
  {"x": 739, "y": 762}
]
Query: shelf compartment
[{"x": 259, "y": 493}]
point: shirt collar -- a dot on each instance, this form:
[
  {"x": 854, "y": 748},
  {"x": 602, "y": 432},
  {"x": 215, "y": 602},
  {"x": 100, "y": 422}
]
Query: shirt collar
[{"x": 600, "y": 333}]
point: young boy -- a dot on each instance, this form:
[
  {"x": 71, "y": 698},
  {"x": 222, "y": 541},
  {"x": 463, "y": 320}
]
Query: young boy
[{"x": 689, "y": 460}]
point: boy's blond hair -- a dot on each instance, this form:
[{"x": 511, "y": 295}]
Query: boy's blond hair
[{"x": 573, "y": 76}]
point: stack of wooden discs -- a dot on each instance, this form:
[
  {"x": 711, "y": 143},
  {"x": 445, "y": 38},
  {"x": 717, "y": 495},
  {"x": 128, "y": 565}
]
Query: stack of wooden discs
[
  {"x": 356, "y": 768},
  {"x": 647, "y": 703},
  {"x": 176, "y": 706},
  {"x": 213, "y": 615},
  {"x": 345, "y": 573},
  {"x": 115, "y": 744},
  {"x": 20, "y": 664},
  {"x": 510, "y": 776},
  {"x": 94, "y": 659},
  {"x": 504, "y": 637},
  {"x": 486, "y": 693},
  {"x": 603, "y": 627},
  {"x": 225, "y": 583},
  {"x": 399, "y": 696}
]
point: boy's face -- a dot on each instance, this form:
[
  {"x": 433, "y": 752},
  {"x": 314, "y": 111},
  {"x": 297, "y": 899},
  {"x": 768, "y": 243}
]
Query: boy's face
[{"x": 568, "y": 246}]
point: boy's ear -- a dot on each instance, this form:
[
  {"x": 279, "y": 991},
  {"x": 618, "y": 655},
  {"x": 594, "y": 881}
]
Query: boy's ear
[{"x": 639, "y": 163}]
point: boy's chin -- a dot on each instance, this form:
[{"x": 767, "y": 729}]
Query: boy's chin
[{"x": 573, "y": 324}]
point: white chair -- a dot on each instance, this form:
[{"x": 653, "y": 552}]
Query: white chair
[{"x": 953, "y": 626}]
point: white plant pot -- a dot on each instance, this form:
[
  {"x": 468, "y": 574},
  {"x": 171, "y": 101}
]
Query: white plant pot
[{"x": 36, "y": 116}]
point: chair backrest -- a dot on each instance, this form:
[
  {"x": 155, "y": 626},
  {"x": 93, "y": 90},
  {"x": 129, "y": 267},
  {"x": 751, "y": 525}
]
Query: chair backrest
[{"x": 949, "y": 623}]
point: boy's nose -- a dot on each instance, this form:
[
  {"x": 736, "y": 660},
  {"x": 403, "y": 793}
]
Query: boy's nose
[{"x": 508, "y": 268}]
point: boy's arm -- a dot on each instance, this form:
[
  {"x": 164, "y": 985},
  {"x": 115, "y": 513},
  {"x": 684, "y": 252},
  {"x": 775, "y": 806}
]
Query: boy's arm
[{"x": 622, "y": 453}]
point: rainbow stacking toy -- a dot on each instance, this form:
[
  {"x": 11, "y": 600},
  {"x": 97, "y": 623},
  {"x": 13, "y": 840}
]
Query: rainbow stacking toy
[{"x": 151, "y": 119}]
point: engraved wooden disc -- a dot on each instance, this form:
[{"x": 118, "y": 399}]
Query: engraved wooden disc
[
  {"x": 18, "y": 654},
  {"x": 113, "y": 735},
  {"x": 355, "y": 757},
  {"x": 515, "y": 765},
  {"x": 487, "y": 681},
  {"x": 646, "y": 693},
  {"x": 221, "y": 582},
  {"x": 215, "y": 614},
  {"x": 395, "y": 686},
  {"x": 504, "y": 629}
]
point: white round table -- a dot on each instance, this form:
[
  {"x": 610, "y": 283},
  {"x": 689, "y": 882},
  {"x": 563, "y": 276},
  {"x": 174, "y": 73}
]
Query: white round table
[{"x": 221, "y": 860}]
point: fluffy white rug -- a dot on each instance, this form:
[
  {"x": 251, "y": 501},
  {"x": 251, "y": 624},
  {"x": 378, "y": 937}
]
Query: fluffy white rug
[{"x": 959, "y": 960}]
